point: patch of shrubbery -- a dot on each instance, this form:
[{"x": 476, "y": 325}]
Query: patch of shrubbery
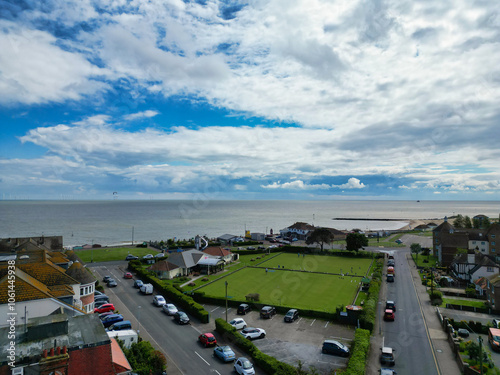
[{"x": 359, "y": 353}]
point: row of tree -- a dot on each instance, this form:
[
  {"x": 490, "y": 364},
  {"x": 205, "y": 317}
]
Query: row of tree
[
  {"x": 322, "y": 236},
  {"x": 466, "y": 222}
]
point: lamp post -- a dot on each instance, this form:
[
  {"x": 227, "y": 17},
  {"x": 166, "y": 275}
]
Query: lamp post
[
  {"x": 226, "y": 301},
  {"x": 138, "y": 319}
]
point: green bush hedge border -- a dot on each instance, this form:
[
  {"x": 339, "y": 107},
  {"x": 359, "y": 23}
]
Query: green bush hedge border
[
  {"x": 359, "y": 353},
  {"x": 369, "y": 314}
]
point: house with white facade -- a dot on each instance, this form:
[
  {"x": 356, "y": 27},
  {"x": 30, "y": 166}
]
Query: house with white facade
[{"x": 473, "y": 265}]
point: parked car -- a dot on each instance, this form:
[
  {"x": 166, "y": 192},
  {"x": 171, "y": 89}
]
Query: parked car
[
  {"x": 120, "y": 326},
  {"x": 104, "y": 308},
  {"x": 100, "y": 303},
  {"x": 131, "y": 257},
  {"x": 335, "y": 347},
  {"x": 387, "y": 371},
  {"x": 159, "y": 300},
  {"x": 225, "y": 353},
  {"x": 496, "y": 323},
  {"x": 387, "y": 356},
  {"x": 291, "y": 315},
  {"x": 261, "y": 248},
  {"x": 391, "y": 305},
  {"x": 138, "y": 284},
  {"x": 105, "y": 314},
  {"x": 390, "y": 278},
  {"x": 391, "y": 262},
  {"x": 390, "y": 270},
  {"x": 106, "y": 278},
  {"x": 148, "y": 256},
  {"x": 147, "y": 289},
  {"x": 267, "y": 312},
  {"x": 389, "y": 315},
  {"x": 111, "y": 319},
  {"x": 97, "y": 293},
  {"x": 250, "y": 248},
  {"x": 181, "y": 317},
  {"x": 207, "y": 339},
  {"x": 169, "y": 309},
  {"x": 253, "y": 333},
  {"x": 462, "y": 332},
  {"x": 127, "y": 275},
  {"x": 102, "y": 297},
  {"x": 160, "y": 255},
  {"x": 112, "y": 283},
  {"x": 243, "y": 366},
  {"x": 238, "y": 323},
  {"x": 243, "y": 309}
]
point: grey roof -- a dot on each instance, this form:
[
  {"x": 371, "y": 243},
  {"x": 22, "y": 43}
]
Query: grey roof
[
  {"x": 227, "y": 237},
  {"x": 80, "y": 273},
  {"x": 186, "y": 259},
  {"x": 209, "y": 261},
  {"x": 72, "y": 332}
]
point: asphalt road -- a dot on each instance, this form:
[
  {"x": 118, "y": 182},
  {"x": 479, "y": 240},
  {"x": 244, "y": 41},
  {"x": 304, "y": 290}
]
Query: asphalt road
[
  {"x": 407, "y": 334},
  {"x": 185, "y": 355}
]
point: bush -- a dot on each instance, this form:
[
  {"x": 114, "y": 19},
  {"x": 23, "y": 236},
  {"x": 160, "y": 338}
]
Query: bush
[
  {"x": 205, "y": 279},
  {"x": 436, "y": 297},
  {"x": 369, "y": 314},
  {"x": 359, "y": 353}
]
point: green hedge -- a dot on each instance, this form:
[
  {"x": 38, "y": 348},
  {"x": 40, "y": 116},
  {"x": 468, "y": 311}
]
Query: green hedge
[
  {"x": 269, "y": 364},
  {"x": 369, "y": 314},
  {"x": 359, "y": 353},
  {"x": 180, "y": 299},
  {"x": 475, "y": 327}
]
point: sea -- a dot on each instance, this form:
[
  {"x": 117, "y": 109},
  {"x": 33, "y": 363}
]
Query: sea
[{"x": 116, "y": 222}]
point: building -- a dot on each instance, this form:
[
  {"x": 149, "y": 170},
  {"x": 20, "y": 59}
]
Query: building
[
  {"x": 87, "y": 286},
  {"x": 298, "y": 230},
  {"x": 60, "y": 344},
  {"x": 218, "y": 252},
  {"x": 492, "y": 291},
  {"x": 165, "y": 270},
  {"x": 50, "y": 243},
  {"x": 472, "y": 266}
]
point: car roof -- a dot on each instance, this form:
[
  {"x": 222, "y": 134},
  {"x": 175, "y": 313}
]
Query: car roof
[
  {"x": 387, "y": 350},
  {"x": 390, "y": 302},
  {"x": 388, "y": 311},
  {"x": 332, "y": 342},
  {"x": 208, "y": 334}
]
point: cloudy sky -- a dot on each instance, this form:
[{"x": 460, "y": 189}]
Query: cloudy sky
[{"x": 272, "y": 99}]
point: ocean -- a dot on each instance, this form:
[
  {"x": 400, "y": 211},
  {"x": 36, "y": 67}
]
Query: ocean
[{"x": 119, "y": 221}]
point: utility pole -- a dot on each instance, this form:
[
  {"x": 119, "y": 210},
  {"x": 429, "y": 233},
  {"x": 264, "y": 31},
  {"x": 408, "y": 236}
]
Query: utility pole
[{"x": 226, "y": 301}]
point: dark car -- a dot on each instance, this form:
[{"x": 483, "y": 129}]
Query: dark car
[
  {"x": 105, "y": 314},
  {"x": 391, "y": 262},
  {"x": 111, "y": 319},
  {"x": 335, "y": 347},
  {"x": 390, "y": 305},
  {"x": 267, "y": 312},
  {"x": 291, "y": 315},
  {"x": 138, "y": 284},
  {"x": 462, "y": 332},
  {"x": 106, "y": 278},
  {"x": 112, "y": 283},
  {"x": 181, "y": 317},
  {"x": 390, "y": 278},
  {"x": 243, "y": 309},
  {"x": 102, "y": 297},
  {"x": 131, "y": 257},
  {"x": 387, "y": 356}
]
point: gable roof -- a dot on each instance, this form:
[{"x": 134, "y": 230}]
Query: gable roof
[
  {"x": 27, "y": 288},
  {"x": 186, "y": 259},
  {"x": 163, "y": 265},
  {"x": 480, "y": 260},
  {"x": 494, "y": 279},
  {"x": 120, "y": 362},
  {"x": 217, "y": 251},
  {"x": 301, "y": 226},
  {"x": 443, "y": 227}
]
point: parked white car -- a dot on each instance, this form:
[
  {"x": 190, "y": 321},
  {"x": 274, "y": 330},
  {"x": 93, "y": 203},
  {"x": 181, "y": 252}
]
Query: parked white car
[
  {"x": 159, "y": 300},
  {"x": 238, "y": 323},
  {"x": 253, "y": 333},
  {"x": 169, "y": 309},
  {"x": 148, "y": 256}
]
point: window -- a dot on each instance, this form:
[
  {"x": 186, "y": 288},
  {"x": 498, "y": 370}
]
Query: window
[
  {"x": 473, "y": 242},
  {"x": 493, "y": 243},
  {"x": 492, "y": 236},
  {"x": 482, "y": 242},
  {"x": 489, "y": 269}
]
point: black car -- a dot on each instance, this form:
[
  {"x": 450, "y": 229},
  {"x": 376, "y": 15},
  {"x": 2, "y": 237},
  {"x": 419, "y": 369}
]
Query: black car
[
  {"x": 138, "y": 284},
  {"x": 267, "y": 312},
  {"x": 112, "y": 283},
  {"x": 387, "y": 356},
  {"x": 291, "y": 315},
  {"x": 335, "y": 347},
  {"x": 106, "y": 278},
  {"x": 131, "y": 257},
  {"x": 243, "y": 309},
  {"x": 101, "y": 298},
  {"x": 181, "y": 317},
  {"x": 100, "y": 303},
  {"x": 391, "y": 305},
  {"x": 390, "y": 278}
]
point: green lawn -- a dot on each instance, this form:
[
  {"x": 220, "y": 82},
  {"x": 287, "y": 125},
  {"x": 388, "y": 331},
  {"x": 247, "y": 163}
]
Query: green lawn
[
  {"x": 112, "y": 253},
  {"x": 463, "y": 302},
  {"x": 432, "y": 260},
  {"x": 319, "y": 263},
  {"x": 288, "y": 288}
]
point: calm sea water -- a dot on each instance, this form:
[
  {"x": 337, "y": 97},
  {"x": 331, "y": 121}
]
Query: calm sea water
[{"x": 112, "y": 222}]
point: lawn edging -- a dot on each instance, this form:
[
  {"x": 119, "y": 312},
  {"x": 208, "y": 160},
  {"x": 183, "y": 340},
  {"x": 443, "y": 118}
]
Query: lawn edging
[
  {"x": 269, "y": 364},
  {"x": 184, "y": 301}
]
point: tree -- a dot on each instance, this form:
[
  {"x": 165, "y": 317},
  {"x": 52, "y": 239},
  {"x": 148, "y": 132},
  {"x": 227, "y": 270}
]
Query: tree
[
  {"x": 416, "y": 249},
  {"x": 144, "y": 359},
  {"x": 467, "y": 222},
  {"x": 320, "y": 236},
  {"x": 355, "y": 241},
  {"x": 486, "y": 223},
  {"x": 476, "y": 223},
  {"x": 459, "y": 222}
]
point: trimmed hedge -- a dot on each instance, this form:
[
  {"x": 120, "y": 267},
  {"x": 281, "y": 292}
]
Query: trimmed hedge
[
  {"x": 369, "y": 314},
  {"x": 269, "y": 364},
  {"x": 359, "y": 353},
  {"x": 171, "y": 292},
  {"x": 475, "y": 327}
]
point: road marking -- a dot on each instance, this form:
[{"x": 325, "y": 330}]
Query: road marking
[
  {"x": 326, "y": 325},
  {"x": 313, "y": 322},
  {"x": 196, "y": 329},
  {"x": 298, "y": 321},
  {"x": 203, "y": 359},
  {"x": 215, "y": 309}
]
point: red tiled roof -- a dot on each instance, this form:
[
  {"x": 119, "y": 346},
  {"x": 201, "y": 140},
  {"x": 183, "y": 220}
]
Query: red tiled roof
[
  {"x": 217, "y": 251},
  {"x": 120, "y": 362}
]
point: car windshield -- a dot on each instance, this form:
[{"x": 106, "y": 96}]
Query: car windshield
[
  {"x": 209, "y": 338},
  {"x": 247, "y": 365},
  {"x": 226, "y": 349},
  {"x": 496, "y": 338}
]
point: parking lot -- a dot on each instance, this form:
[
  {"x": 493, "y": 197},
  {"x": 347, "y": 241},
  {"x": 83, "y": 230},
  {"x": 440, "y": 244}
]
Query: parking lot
[{"x": 294, "y": 342}]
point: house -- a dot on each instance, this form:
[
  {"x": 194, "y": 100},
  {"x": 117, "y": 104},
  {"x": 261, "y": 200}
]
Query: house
[
  {"x": 298, "y": 230},
  {"x": 472, "y": 266},
  {"x": 229, "y": 239},
  {"x": 481, "y": 285},
  {"x": 87, "y": 286},
  {"x": 54, "y": 243},
  {"x": 165, "y": 270},
  {"x": 493, "y": 291},
  {"x": 62, "y": 344},
  {"x": 219, "y": 252}
]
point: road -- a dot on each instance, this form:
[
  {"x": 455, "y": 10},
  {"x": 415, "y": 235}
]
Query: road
[{"x": 179, "y": 343}]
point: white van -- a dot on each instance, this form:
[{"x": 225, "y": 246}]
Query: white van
[
  {"x": 147, "y": 289},
  {"x": 128, "y": 336}
]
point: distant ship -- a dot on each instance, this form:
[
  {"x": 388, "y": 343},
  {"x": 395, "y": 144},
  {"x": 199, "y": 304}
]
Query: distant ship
[{"x": 418, "y": 201}]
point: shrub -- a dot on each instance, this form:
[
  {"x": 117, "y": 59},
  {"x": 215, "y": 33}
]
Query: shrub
[
  {"x": 191, "y": 284},
  {"x": 436, "y": 297},
  {"x": 359, "y": 353},
  {"x": 205, "y": 279}
]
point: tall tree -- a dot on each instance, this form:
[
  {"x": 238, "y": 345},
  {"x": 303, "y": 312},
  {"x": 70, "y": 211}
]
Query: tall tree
[
  {"x": 416, "y": 249},
  {"x": 459, "y": 221},
  {"x": 486, "y": 223},
  {"x": 356, "y": 241},
  {"x": 320, "y": 236},
  {"x": 476, "y": 223},
  {"x": 467, "y": 222}
]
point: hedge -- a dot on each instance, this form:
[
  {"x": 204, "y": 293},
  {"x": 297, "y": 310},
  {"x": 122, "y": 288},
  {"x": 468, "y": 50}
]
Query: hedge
[
  {"x": 180, "y": 299},
  {"x": 359, "y": 353},
  {"x": 475, "y": 327},
  {"x": 369, "y": 314},
  {"x": 269, "y": 364}
]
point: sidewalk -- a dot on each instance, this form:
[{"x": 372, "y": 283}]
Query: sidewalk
[{"x": 447, "y": 364}]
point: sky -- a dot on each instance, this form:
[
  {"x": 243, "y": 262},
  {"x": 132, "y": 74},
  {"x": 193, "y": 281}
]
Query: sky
[{"x": 273, "y": 99}]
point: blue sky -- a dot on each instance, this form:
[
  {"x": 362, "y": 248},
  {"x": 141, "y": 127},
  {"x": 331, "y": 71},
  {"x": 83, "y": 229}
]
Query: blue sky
[{"x": 261, "y": 100}]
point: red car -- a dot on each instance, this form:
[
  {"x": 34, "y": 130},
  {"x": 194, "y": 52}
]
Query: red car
[
  {"x": 127, "y": 275},
  {"x": 207, "y": 339},
  {"x": 104, "y": 308},
  {"x": 389, "y": 315}
]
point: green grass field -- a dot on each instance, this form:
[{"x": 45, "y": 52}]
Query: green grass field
[
  {"x": 288, "y": 288},
  {"x": 319, "y": 263},
  {"x": 111, "y": 253}
]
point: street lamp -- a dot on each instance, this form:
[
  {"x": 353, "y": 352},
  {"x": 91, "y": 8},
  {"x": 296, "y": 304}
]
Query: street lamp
[
  {"x": 226, "y": 301},
  {"x": 138, "y": 319}
]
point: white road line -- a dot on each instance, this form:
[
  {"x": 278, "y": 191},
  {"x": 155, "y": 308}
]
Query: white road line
[
  {"x": 203, "y": 359},
  {"x": 196, "y": 329},
  {"x": 298, "y": 321},
  {"x": 215, "y": 371},
  {"x": 215, "y": 309},
  {"x": 313, "y": 321},
  {"x": 326, "y": 325}
]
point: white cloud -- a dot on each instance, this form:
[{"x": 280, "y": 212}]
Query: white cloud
[
  {"x": 298, "y": 184},
  {"x": 352, "y": 183},
  {"x": 140, "y": 115}
]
